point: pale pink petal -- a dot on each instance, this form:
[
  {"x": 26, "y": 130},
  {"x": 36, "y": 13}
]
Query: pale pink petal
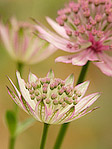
[
  {"x": 83, "y": 114},
  {"x": 59, "y": 29},
  {"x": 80, "y": 59},
  {"x": 27, "y": 107},
  {"x": 43, "y": 55},
  {"x": 32, "y": 77},
  {"x": 69, "y": 80},
  {"x": 82, "y": 88},
  {"x": 66, "y": 115},
  {"x": 56, "y": 40},
  {"x": 15, "y": 98},
  {"x": 40, "y": 110},
  {"x": 50, "y": 74},
  {"x": 68, "y": 119},
  {"x": 106, "y": 64},
  {"x": 92, "y": 55},
  {"x": 65, "y": 59},
  {"x": 86, "y": 102},
  {"x": 18, "y": 93},
  {"x": 6, "y": 39},
  {"x": 62, "y": 111},
  {"x": 24, "y": 91}
]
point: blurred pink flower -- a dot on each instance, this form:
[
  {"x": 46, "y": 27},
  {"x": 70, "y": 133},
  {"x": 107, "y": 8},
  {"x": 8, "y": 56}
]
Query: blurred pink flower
[
  {"x": 22, "y": 44},
  {"x": 52, "y": 100},
  {"x": 84, "y": 27}
]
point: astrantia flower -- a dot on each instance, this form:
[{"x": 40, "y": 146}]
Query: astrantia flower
[
  {"x": 22, "y": 44},
  {"x": 52, "y": 100},
  {"x": 85, "y": 26}
]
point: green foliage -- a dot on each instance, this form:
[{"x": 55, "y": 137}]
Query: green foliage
[
  {"x": 14, "y": 128},
  {"x": 25, "y": 125},
  {"x": 11, "y": 122}
]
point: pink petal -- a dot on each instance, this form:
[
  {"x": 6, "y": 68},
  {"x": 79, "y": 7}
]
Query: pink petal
[
  {"x": 82, "y": 88},
  {"x": 18, "y": 93},
  {"x": 106, "y": 64},
  {"x": 65, "y": 59},
  {"x": 80, "y": 59},
  {"x": 43, "y": 55},
  {"x": 59, "y": 29},
  {"x": 24, "y": 91},
  {"x": 27, "y": 107},
  {"x": 50, "y": 74},
  {"x": 32, "y": 78},
  {"x": 16, "y": 99},
  {"x": 69, "y": 80},
  {"x": 68, "y": 114},
  {"x": 56, "y": 40},
  {"x": 86, "y": 102},
  {"x": 40, "y": 110},
  {"x": 92, "y": 56},
  {"x": 6, "y": 39},
  {"x": 83, "y": 114}
]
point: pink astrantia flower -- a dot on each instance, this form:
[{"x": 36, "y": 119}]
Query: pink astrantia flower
[
  {"x": 84, "y": 27},
  {"x": 52, "y": 100},
  {"x": 22, "y": 44}
]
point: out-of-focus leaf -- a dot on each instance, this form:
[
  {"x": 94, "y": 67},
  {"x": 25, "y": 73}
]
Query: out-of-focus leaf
[
  {"x": 25, "y": 125},
  {"x": 11, "y": 122}
]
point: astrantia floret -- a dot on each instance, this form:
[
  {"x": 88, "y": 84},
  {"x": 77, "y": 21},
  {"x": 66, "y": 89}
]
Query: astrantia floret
[
  {"x": 52, "y": 100},
  {"x": 21, "y": 43},
  {"x": 84, "y": 27}
]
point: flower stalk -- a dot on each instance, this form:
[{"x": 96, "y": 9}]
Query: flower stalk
[
  {"x": 64, "y": 127},
  {"x": 12, "y": 142},
  {"x": 19, "y": 68},
  {"x": 13, "y": 137},
  {"x": 44, "y": 136}
]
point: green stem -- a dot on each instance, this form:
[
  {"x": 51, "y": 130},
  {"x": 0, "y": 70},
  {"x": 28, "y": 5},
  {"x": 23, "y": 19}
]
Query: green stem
[
  {"x": 12, "y": 142},
  {"x": 13, "y": 138},
  {"x": 44, "y": 136},
  {"x": 83, "y": 73},
  {"x": 64, "y": 127},
  {"x": 19, "y": 68}
]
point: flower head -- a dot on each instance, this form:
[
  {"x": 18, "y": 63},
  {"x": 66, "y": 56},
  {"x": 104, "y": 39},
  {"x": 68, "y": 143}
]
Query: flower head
[
  {"x": 52, "y": 100},
  {"x": 22, "y": 44},
  {"x": 84, "y": 27}
]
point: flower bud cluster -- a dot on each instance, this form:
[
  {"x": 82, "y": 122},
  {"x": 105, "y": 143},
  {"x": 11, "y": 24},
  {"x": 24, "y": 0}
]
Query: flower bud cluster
[
  {"x": 52, "y": 92},
  {"x": 85, "y": 18}
]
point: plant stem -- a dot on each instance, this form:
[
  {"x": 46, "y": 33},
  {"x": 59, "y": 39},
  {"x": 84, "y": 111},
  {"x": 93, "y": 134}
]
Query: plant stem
[
  {"x": 44, "y": 136},
  {"x": 64, "y": 127},
  {"x": 13, "y": 138},
  {"x": 83, "y": 73},
  {"x": 12, "y": 142},
  {"x": 19, "y": 68}
]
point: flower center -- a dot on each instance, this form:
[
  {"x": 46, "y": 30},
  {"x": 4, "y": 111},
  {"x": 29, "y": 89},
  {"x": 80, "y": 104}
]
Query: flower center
[
  {"x": 96, "y": 46},
  {"x": 53, "y": 92}
]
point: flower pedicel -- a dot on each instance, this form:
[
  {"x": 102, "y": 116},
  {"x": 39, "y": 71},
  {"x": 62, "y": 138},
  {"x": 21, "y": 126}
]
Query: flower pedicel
[{"x": 52, "y": 100}]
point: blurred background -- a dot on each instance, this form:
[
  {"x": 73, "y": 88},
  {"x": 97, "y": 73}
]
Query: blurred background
[{"x": 93, "y": 131}]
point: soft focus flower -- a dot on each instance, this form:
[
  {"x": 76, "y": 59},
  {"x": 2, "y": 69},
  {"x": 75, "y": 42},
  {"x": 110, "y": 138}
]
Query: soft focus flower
[
  {"x": 22, "y": 44},
  {"x": 52, "y": 100},
  {"x": 85, "y": 26}
]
